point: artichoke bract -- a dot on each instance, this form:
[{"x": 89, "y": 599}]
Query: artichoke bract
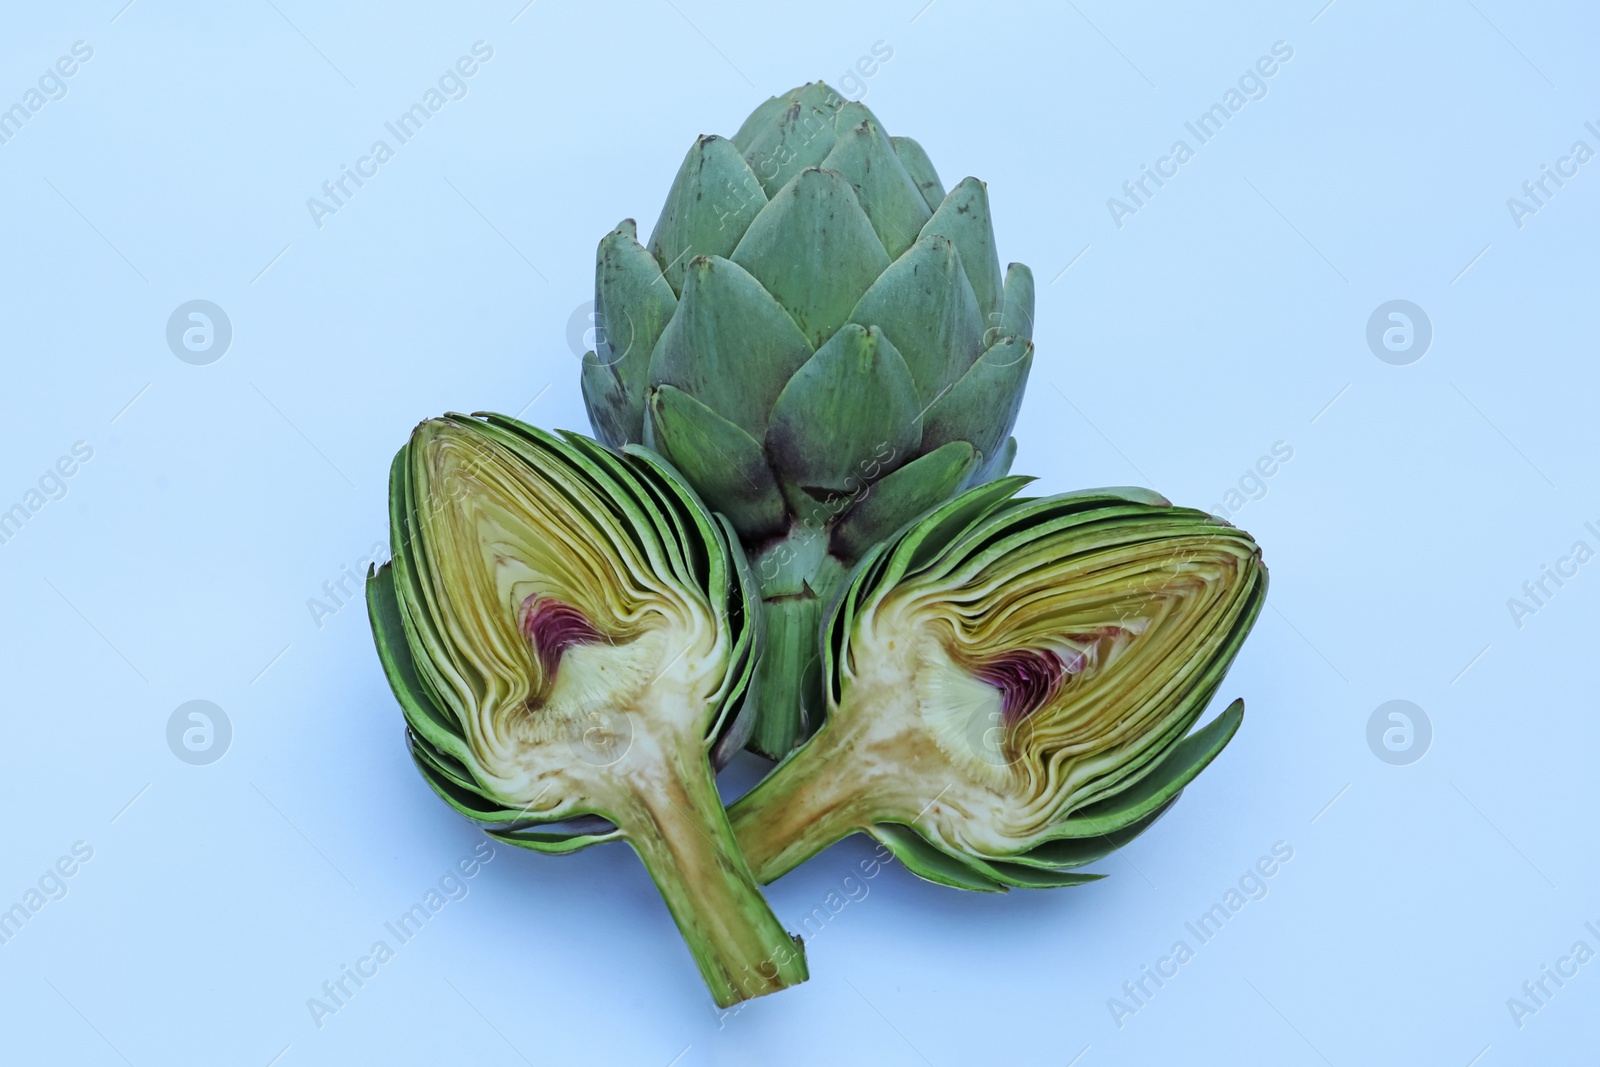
[
  {"x": 571, "y": 635},
  {"x": 1012, "y": 684},
  {"x": 820, "y": 339}
]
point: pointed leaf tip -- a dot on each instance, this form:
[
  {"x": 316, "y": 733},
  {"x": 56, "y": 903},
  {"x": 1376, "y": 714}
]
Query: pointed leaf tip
[
  {"x": 963, "y": 217},
  {"x": 849, "y": 415},
  {"x": 813, "y": 249}
]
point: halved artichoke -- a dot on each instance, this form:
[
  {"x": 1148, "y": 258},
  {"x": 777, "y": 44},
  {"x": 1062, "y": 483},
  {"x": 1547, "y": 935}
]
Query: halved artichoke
[
  {"x": 822, "y": 342},
  {"x": 1011, "y": 686},
  {"x": 571, "y": 635}
]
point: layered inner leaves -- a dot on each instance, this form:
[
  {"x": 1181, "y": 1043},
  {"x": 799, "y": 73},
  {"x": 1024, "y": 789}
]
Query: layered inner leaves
[
  {"x": 1047, "y": 664},
  {"x": 553, "y": 614},
  {"x": 1026, "y": 679}
]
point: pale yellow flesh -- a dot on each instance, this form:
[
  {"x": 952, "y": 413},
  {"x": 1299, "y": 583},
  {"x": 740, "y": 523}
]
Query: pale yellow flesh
[{"x": 504, "y": 534}]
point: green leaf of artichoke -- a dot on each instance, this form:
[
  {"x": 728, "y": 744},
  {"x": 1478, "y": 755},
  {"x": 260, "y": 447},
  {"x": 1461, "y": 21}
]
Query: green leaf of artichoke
[
  {"x": 813, "y": 249},
  {"x": 847, "y": 415}
]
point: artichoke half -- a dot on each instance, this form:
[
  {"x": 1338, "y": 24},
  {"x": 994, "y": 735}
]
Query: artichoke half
[
  {"x": 820, "y": 340},
  {"x": 1012, "y": 684},
  {"x": 571, "y": 635}
]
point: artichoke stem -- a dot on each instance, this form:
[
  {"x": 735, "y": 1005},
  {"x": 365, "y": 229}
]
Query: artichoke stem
[
  {"x": 788, "y": 686},
  {"x": 677, "y": 826},
  {"x": 798, "y": 580},
  {"x": 810, "y": 801}
]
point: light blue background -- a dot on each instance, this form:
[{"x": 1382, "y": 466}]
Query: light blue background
[{"x": 1227, "y": 315}]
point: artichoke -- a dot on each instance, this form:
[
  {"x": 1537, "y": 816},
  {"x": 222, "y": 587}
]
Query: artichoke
[
  {"x": 820, "y": 340},
  {"x": 570, "y": 635},
  {"x": 1011, "y": 687}
]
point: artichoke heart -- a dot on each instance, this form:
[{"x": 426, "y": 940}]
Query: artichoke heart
[{"x": 1012, "y": 683}]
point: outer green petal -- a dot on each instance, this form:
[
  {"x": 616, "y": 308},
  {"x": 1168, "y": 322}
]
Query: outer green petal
[
  {"x": 1021, "y": 876},
  {"x": 925, "y": 305},
  {"x": 799, "y": 136},
  {"x": 388, "y": 634},
  {"x": 849, "y": 413},
  {"x": 763, "y": 116},
  {"x": 1016, "y": 312},
  {"x": 616, "y": 416},
  {"x": 902, "y": 496},
  {"x": 1177, "y": 768},
  {"x": 814, "y": 250},
  {"x": 553, "y": 844},
  {"x": 432, "y": 658},
  {"x": 633, "y": 303},
  {"x": 467, "y": 797},
  {"x": 920, "y": 167},
  {"x": 888, "y": 195},
  {"x": 964, "y": 218},
  {"x": 724, "y": 463},
  {"x": 1067, "y": 853},
  {"x": 852, "y": 113},
  {"x": 926, "y": 861},
  {"x": 730, "y": 344},
  {"x": 934, "y": 533},
  {"x": 737, "y": 723},
  {"x": 982, "y": 406},
  {"x": 713, "y": 199},
  {"x": 996, "y": 466}
]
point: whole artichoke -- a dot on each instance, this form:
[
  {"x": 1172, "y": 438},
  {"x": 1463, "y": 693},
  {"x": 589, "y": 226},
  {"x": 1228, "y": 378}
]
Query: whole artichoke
[
  {"x": 1012, "y": 683},
  {"x": 818, "y": 337},
  {"x": 570, "y": 635}
]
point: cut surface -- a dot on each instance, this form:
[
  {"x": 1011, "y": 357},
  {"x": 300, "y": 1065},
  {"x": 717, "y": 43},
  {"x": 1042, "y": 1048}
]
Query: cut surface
[
  {"x": 996, "y": 674},
  {"x": 1036, "y": 682},
  {"x": 547, "y": 623},
  {"x": 560, "y": 638}
]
